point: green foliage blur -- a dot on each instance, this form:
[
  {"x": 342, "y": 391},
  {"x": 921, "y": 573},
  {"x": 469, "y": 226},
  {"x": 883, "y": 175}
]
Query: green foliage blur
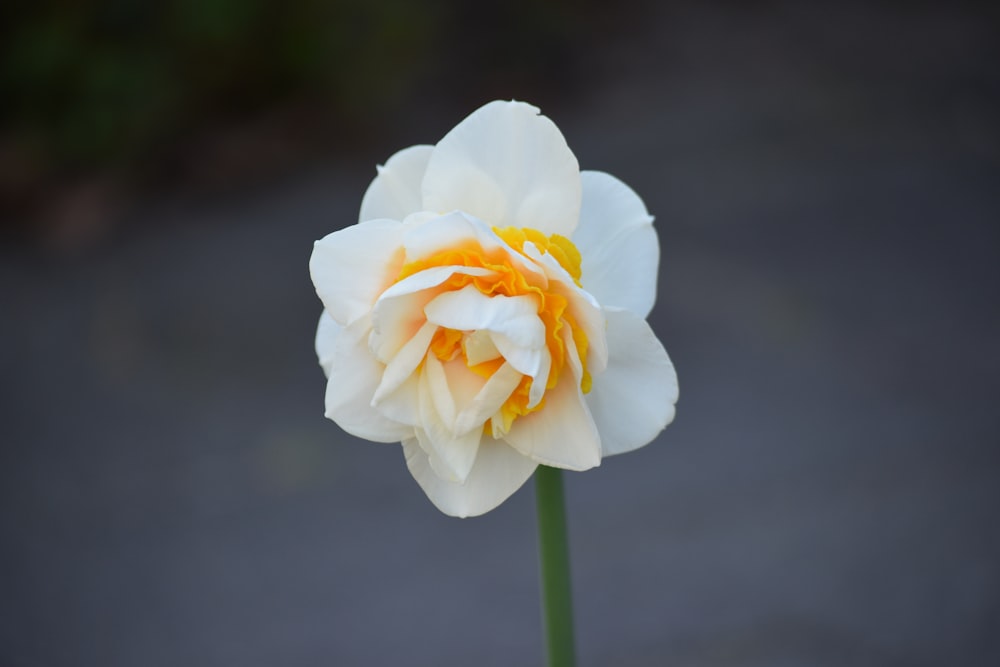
[
  {"x": 93, "y": 83},
  {"x": 106, "y": 98}
]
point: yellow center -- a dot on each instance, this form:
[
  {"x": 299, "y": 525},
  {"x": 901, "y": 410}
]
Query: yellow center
[{"x": 507, "y": 280}]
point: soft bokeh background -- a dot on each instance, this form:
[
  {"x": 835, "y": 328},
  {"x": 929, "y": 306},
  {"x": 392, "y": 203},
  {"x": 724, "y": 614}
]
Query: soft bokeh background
[{"x": 825, "y": 181}]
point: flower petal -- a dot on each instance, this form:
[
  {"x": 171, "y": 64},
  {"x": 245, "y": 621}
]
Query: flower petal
[
  {"x": 488, "y": 400},
  {"x": 589, "y": 317},
  {"x": 326, "y": 336},
  {"x": 479, "y": 348},
  {"x": 633, "y": 400},
  {"x": 351, "y": 267},
  {"x": 399, "y": 312},
  {"x": 515, "y": 328},
  {"x": 451, "y": 453},
  {"x": 402, "y": 404},
  {"x": 395, "y": 192},
  {"x": 431, "y": 277},
  {"x": 618, "y": 243},
  {"x": 496, "y": 474},
  {"x": 506, "y": 165},
  {"x": 354, "y": 375},
  {"x": 561, "y": 434},
  {"x": 584, "y": 308},
  {"x": 426, "y": 234},
  {"x": 405, "y": 362},
  {"x": 450, "y": 458},
  {"x": 468, "y": 309}
]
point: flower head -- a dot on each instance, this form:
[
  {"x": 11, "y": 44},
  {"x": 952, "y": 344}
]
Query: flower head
[{"x": 488, "y": 311}]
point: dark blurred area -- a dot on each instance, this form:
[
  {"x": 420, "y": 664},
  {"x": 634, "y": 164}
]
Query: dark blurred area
[
  {"x": 826, "y": 183},
  {"x": 107, "y": 100}
]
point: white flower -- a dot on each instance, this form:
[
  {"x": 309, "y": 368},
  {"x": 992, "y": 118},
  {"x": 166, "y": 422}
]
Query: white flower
[{"x": 488, "y": 311}]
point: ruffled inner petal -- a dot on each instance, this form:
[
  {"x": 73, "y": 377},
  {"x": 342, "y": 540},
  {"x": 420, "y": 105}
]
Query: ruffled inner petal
[
  {"x": 399, "y": 312},
  {"x": 468, "y": 309},
  {"x": 563, "y": 434}
]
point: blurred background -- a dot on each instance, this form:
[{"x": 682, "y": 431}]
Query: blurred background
[{"x": 825, "y": 182}]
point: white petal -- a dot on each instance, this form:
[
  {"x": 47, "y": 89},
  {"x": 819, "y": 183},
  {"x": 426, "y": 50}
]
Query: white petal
[
  {"x": 468, "y": 309},
  {"x": 399, "y": 312},
  {"x": 479, "y": 348},
  {"x": 515, "y": 328},
  {"x": 584, "y": 308},
  {"x": 497, "y": 473},
  {"x": 527, "y": 360},
  {"x": 506, "y": 165},
  {"x": 395, "y": 192},
  {"x": 351, "y": 267},
  {"x": 450, "y": 462},
  {"x": 451, "y": 453},
  {"x": 562, "y": 434},
  {"x": 434, "y": 391},
  {"x": 431, "y": 277},
  {"x": 540, "y": 380},
  {"x": 354, "y": 375},
  {"x": 619, "y": 246},
  {"x": 425, "y": 236},
  {"x": 405, "y": 362},
  {"x": 402, "y": 404},
  {"x": 633, "y": 400},
  {"x": 488, "y": 400},
  {"x": 326, "y": 335},
  {"x": 590, "y": 318}
]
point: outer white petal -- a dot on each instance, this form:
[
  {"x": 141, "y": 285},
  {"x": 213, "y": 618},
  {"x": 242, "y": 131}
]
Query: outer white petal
[
  {"x": 351, "y": 267},
  {"x": 616, "y": 239},
  {"x": 395, "y": 192},
  {"x": 506, "y": 165},
  {"x": 562, "y": 434},
  {"x": 326, "y": 336},
  {"x": 354, "y": 375},
  {"x": 633, "y": 400},
  {"x": 497, "y": 473}
]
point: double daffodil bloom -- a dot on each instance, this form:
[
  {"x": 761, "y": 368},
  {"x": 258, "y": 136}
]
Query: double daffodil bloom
[{"x": 488, "y": 312}]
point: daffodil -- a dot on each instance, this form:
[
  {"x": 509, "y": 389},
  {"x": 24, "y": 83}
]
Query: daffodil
[{"x": 488, "y": 311}]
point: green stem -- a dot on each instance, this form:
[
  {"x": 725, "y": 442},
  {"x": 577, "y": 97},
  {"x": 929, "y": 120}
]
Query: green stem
[{"x": 553, "y": 548}]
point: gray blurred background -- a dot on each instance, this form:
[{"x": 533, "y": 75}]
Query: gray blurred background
[{"x": 825, "y": 182}]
